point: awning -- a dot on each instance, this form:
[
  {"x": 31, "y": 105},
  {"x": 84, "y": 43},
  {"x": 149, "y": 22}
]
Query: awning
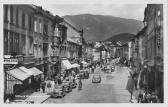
[
  {"x": 67, "y": 64},
  {"x": 36, "y": 71},
  {"x": 75, "y": 65},
  {"x": 18, "y": 74},
  {"x": 29, "y": 72}
]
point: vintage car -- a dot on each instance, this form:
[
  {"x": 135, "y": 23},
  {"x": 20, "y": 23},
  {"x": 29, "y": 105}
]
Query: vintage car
[
  {"x": 58, "y": 91},
  {"x": 112, "y": 68},
  {"x": 67, "y": 85},
  {"x": 96, "y": 78},
  {"x": 81, "y": 75},
  {"x": 85, "y": 74}
]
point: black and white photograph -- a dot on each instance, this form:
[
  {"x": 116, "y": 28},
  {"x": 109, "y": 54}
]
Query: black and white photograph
[{"x": 83, "y": 53}]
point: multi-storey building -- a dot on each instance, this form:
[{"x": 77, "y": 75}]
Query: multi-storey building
[
  {"x": 153, "y": 20},
  {"x": 18, "y": 42},
  {"x": 147, "y": 47},
  {"x": 29, "y": 33}
]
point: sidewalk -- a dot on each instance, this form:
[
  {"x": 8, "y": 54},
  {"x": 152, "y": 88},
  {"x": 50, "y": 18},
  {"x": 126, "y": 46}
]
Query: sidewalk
[
  {"x": 135, "y": 92},
  {"x": 31, "y": 96},
  {"x": 37, "y": 97}
]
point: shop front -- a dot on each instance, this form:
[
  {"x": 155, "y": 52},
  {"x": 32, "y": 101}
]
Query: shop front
[
  {"x": 16, "y": 82},
  {"x": 66, "y": 67}
]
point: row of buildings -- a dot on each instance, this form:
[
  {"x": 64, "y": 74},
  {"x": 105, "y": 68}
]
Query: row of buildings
[
  {"x": 38, "y": 39},
  {"x": 146, "y": 48}
]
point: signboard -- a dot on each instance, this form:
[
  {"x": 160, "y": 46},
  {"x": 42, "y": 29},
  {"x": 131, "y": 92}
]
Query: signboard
[{"x": 10, "y": 61}]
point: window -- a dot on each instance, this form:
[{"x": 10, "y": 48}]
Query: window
[
  {"x": 45, "y": 29},
  {"x": 40, "y": 25},
  {"x": 158, "y": 13},
  {"x": 23, "y": 20},
  {"x": 11, "y": 14},
  {"x": 23, "y": 41},
  {"x": 17, "y": 49},
  {"x": 5, "y": 12},
  {"x": 35, "y": 25},
  {"x": 45, "y": 48},
  {"x": 6, "y": 42},
  {"x": 17, "y": 13},
  {"x": 29, "y": 22}
]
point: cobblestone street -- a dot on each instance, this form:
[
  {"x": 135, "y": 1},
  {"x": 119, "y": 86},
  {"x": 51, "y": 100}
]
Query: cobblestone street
[{"x": 110, "y": 90}]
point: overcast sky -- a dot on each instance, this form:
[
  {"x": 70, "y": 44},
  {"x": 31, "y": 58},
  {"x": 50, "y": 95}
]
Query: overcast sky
[{"x": 130, "y": 11}]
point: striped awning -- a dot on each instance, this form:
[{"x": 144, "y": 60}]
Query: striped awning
[
  {"x": 26, "y": 70},
  {"x": 18, "y": 74},
  {"x": 36, "y": 71},
  {"x": 75, "y": 65},
  {"x": 67, "y": 64}
]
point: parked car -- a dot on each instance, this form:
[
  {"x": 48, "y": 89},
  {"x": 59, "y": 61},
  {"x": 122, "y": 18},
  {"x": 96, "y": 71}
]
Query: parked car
[
  {"x": 112, "y": 68},
  {"x": 58, "y": 91},
  {"x": 85, "y": 73},
  {"x": 67, "y": 85},
  {"x": 81, "y": 75},
  {"x": 96, "y": 78}
]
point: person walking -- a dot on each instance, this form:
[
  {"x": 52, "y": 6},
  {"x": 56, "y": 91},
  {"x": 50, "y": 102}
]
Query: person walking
[{"x": 43, "y": 84}]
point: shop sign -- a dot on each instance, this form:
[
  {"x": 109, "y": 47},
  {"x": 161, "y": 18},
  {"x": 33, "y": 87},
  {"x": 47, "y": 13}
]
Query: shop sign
[{"x": 10, "y": 61}]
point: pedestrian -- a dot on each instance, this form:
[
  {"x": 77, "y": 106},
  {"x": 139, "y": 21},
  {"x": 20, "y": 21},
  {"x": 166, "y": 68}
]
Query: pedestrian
[
  {"x": 38, "y": 83},
  {"x": 43, "y": 84},
  {"x": 92, "y": 69}
]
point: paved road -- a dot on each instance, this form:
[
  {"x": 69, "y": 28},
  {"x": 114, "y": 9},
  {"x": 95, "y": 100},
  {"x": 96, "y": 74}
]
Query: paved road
[{"x": 110, "y": 90}]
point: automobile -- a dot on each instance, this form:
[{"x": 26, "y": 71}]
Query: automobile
[
  {"x": 112, "y": 68},
  {"x": 85, "y": 73},
  {"x": 96, "y": 78},
  {"x": 81, "y": 75},
  {"x": 58, "y": 91},
  {"x": 67, "y": 85}
]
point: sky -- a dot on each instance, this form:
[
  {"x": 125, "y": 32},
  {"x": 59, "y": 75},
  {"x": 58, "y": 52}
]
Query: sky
[{"x": 129, "y": 11}]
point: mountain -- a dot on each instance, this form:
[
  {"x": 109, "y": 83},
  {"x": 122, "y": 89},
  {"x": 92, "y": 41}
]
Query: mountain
[
  {"x": 123, "y": 37},
  {"x": 100, "y": 27}
]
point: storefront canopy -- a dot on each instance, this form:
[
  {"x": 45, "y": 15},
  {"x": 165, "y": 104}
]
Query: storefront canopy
[
  {"x": 75, "y": 65},
  {"x": 18, "y": 74},
  {"x": 29, "y": 72},
  {"x": 67, "y": 64},
  {"x": 36, "y": 71}
]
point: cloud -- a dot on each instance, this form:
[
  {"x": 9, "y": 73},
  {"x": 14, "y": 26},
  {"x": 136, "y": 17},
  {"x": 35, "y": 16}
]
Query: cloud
[{"x": 130, "y": 11}]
